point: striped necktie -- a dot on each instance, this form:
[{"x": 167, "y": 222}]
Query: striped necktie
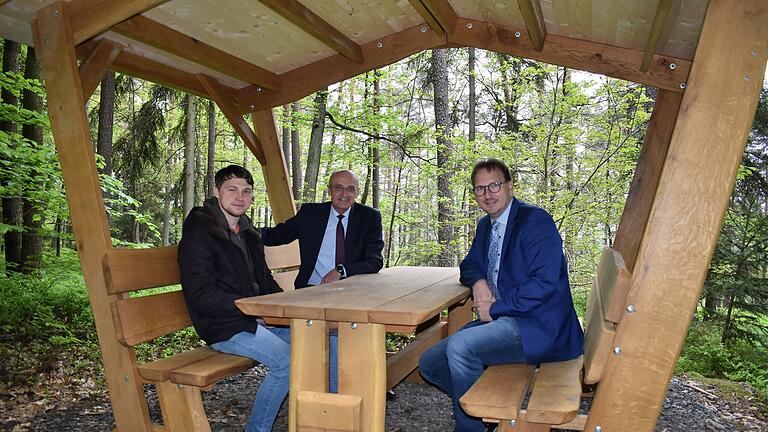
[{"x": 494, "y": 253}]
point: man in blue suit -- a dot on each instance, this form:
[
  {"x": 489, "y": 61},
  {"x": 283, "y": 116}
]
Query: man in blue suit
[
  {"x": 337, "y": 239},
  {"x": 519, "y": 280}
]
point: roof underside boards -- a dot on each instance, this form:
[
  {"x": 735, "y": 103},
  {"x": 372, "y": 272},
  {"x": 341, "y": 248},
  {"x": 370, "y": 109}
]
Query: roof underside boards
[{"x": 269, "y": 52}]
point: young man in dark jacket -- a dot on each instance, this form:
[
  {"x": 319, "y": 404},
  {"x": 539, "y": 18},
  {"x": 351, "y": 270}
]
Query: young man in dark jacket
[{"x": 221, "y": 259}]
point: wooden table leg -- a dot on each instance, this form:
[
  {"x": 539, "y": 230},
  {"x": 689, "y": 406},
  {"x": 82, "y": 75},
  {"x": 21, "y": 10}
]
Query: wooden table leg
[
  {"x": 363, "y": 370},
  {"x": 459, "y": 315},
  {"x": 309, "y": 362}
]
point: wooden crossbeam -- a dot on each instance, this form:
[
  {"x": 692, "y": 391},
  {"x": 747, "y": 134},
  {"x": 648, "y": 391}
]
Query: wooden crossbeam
[
  {"x": 92, "y": 17},
  {"x": 275, "y": 171},
  {"x": 300, "y": 16},
  {"x": 438, "y": 14},
  {"x": 574, "y": 53},
  {"x": 96, "y": 65},
  {"x": 664, "y": 15},
  {"x": 534, "y": 21},
  {"x": 235, "y": 119},
  {"x": 156, "y": 35},
  {"x": 314, "y": 76}
]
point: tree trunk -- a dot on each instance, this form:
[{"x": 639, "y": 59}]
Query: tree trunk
[
  {"x": 295, "y": 151},
  {"x": 445, "y": 233},
  {"x": 33, "y": 214},
  {"x": 472, "y": 94},
  {"x": 12, "y": 209},
  {"x": 315, "y": 147},
  {"x": 189, "y": 157},
  {"x": 375, "y": 153},
  {"x": 286, "y": 142},
  {"x": 211, "y": 169},
  {"x": 106, "y": 121},
  {"x": 167, "y": 199}
]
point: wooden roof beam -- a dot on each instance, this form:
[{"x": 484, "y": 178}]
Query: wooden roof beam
[
  {"x": 89, "y": 18},
  {"x": 665, "y": 13},
  {"x": 93, "y": 68},
  {"x": 303, "y": 18},
  {"x": 314, "y": 76},
  {"x": 156, "y": 35},
  {"x": 217, "y": 93},
  {"x": 534, "y": 21},
  {"x": 574, "y": 53},
  {"x": 438, "y": 14}
]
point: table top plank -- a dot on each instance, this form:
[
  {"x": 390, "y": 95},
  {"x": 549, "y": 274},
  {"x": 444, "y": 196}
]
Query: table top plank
[{"x": 394, "y": 294}]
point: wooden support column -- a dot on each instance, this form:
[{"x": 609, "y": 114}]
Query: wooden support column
[
  {"x": 93, "y": 69},
  {"x": 56, "y": 51},
  {"x": 707, "y": 144},
  {"x": 363, "y": 370},
  {"x": 309, "y": 362},
  {"x": 647, "y": 174},
  {"x": 275, "y": 171}
]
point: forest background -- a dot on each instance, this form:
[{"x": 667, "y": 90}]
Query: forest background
[{"x": 412, "y": 132}]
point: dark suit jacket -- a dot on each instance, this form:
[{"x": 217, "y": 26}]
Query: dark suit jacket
[
  {"x": 532, "y": 281},
  {"x": 363, "y": 241}
]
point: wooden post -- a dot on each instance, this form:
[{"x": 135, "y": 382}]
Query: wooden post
[
  {"x": 707, "y": 144},
  {"x": 275, "y": 171},
  {"x": 363, "y": 370},
  {"x": 647, "y": 174},
  {"x": 309, "y": 363},
  {"x": 56, "y": 50}
]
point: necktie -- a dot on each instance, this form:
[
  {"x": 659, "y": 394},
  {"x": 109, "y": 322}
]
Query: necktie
[
  {"x": 493, "y": 259},
  {"x": 340, "y": 241}
]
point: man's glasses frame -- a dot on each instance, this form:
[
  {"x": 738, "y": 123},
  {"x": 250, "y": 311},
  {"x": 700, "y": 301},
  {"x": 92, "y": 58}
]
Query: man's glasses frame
[{"x": 494, "y": 187}]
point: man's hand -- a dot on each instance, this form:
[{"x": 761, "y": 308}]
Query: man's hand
[
  {"x": 482, "y": 292},
  {"x": 483, "y": 310},
  {"x": 331, "y": 276}
]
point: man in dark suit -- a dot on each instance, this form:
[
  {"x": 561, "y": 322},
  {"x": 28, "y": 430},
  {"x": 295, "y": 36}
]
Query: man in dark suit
[
  {"x": 519, "y": 280},
  {"x": 337, "y": 239}
]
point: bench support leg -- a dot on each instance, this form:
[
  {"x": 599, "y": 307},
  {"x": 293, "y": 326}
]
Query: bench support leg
[
  {"x": 363, "y": 370},
  {"x": 182, "y": 407}
]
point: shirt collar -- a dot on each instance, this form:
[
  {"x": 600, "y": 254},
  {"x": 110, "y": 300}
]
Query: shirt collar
[
  {"x": 335, "y": 213},
  {"x": 504, "y": 216}
]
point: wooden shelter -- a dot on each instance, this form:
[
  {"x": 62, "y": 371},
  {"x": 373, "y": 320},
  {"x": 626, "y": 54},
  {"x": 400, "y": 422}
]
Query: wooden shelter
[{"x": 706, "y": 57}]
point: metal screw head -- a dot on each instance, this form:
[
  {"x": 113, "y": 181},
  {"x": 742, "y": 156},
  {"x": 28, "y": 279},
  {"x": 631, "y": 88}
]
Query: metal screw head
[
  {"x": 179, "y": 386},
  {"x": 45, "y": 40},
  {"x": 683, "y": 85},
  {"x": 258, "y": 89},
  {"x": 423, "y": 29},
  {"x": 517, "y": 34},
  {"x": 379, "y": 44},
  {"x": 469, "y": 25},
  {"x": 673, "y": 66},
  {"x": 631, "y": 308},
  {"x": 125, "y": 378},
  {"x": 252, "y": 106},
  {"x": 746, "y": 77},
  {"x": 56, "y": 13},
  {"x": 598, "y": 428},
  {"x": 513, "y": 423},
  {"x": 754, "y": 53},
  {"x": 309, "y": 323},
  {"x": 353, "y": 325},
  {"x": 617, "y": 350}
]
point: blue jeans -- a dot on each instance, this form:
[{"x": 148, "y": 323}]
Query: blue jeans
[
  {"x": 270, "y": 346},
  {"x": 455, "y": 363}
]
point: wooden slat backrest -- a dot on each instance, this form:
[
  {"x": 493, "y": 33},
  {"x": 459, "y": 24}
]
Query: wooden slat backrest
[
  {"x": 128, "y": 270},
  {"x": 141, "y": 319},
  {"x": 614, "y": 279}
]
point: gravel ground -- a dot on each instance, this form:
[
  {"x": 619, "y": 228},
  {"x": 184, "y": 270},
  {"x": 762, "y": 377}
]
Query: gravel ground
[{"x": 689, "y": 406}]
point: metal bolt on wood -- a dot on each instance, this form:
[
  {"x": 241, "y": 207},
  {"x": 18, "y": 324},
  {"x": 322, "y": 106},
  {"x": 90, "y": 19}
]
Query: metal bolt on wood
[
  {"x": 469, "y": 25},
  {"x": 309, "y": 323},
  {"x": 179, "y": 386},
  {"x": 617, "y": 350},
  {"x": 125, "y": 378},
  {"x": 56, "y": 13},
  {"x": 673, "y": 66},
  {"x": 424, "y": 29},
  {"x": 598, "y": 428},
  {"x": 746, "y": 77},
  {"x": 517, "y": 34},
  {"x": 353, "y": 325},
  {"x": 258, "y": 89},
  {"x": 379, "y": 44},
  {"x": 513, "y": 423},
  {"x": 631, "y": 308},
  {"x": 45, "y": 40},
  {"x": 683, "y": 85}
]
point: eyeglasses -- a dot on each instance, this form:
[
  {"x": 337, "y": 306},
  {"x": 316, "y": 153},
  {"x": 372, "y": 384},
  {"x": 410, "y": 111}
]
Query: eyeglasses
[
  {"x": 351, "y": 189},
  {"x": 491, "y": 187}
]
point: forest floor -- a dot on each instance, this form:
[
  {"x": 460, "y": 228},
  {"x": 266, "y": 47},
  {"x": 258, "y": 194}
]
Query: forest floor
[{"x": 63, "y": 403}]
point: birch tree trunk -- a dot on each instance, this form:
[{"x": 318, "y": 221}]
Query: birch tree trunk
[
  {"x": 210, "y": 170},
  {"x": 189, "y": 157}
]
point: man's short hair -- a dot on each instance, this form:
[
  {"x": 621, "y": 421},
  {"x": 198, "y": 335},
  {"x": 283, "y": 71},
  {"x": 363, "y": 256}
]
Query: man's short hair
[
  {"x": 490, "y": 165},
  {"x": 230, "y": 172}
]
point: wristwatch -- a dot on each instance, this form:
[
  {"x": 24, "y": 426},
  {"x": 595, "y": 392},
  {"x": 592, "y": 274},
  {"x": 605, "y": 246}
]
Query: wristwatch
[{"x": 341, "y": 270}]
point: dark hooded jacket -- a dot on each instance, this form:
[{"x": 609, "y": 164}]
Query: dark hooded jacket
[{"x": 215, "y": 272}]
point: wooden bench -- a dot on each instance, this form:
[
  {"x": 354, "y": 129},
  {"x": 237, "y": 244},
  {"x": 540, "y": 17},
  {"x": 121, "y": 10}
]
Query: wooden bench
[
  {"x": 179, "y": 379},
  {"x": 554, "y": 390}
]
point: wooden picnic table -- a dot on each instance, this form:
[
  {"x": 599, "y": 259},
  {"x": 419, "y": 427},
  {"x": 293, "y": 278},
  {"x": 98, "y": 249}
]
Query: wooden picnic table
[{"x": 364, "y": 307}]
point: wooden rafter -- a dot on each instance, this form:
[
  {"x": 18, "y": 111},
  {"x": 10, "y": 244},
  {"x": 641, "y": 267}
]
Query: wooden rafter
[
  {"x": 147, "y": 31},
  {"x": 275, "y": 171},
  {"x": 534, "y": 21},
  {"x": 96, "y": 65},
  {"x": 237, "y": 121},
  {"x": 300, "y": 16},
  {"x": 314, "y": 76},
  {"x": 438, "y": 14},
  {"x": 92, "y": 17},
  {"x": 574, "y": 53},
  {"x": 660, "y": 23}
]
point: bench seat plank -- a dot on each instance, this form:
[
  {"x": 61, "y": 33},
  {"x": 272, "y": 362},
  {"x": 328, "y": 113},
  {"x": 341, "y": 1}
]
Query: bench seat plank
[
  {"x": 499, "y": 392},
  {"x": 211, "y": 369},
  {"x": 160, "y": 370},
  {"x": 556, "y": 392}
]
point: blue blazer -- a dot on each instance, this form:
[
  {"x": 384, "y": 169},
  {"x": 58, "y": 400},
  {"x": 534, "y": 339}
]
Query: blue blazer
[
  {"x": 363, "y": 242},
  {"x": 532, "y": 281}
]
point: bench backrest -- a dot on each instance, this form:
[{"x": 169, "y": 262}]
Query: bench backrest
[
  {"x": 143, "y": 318},
  {"x": 605, "y": 307}
]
